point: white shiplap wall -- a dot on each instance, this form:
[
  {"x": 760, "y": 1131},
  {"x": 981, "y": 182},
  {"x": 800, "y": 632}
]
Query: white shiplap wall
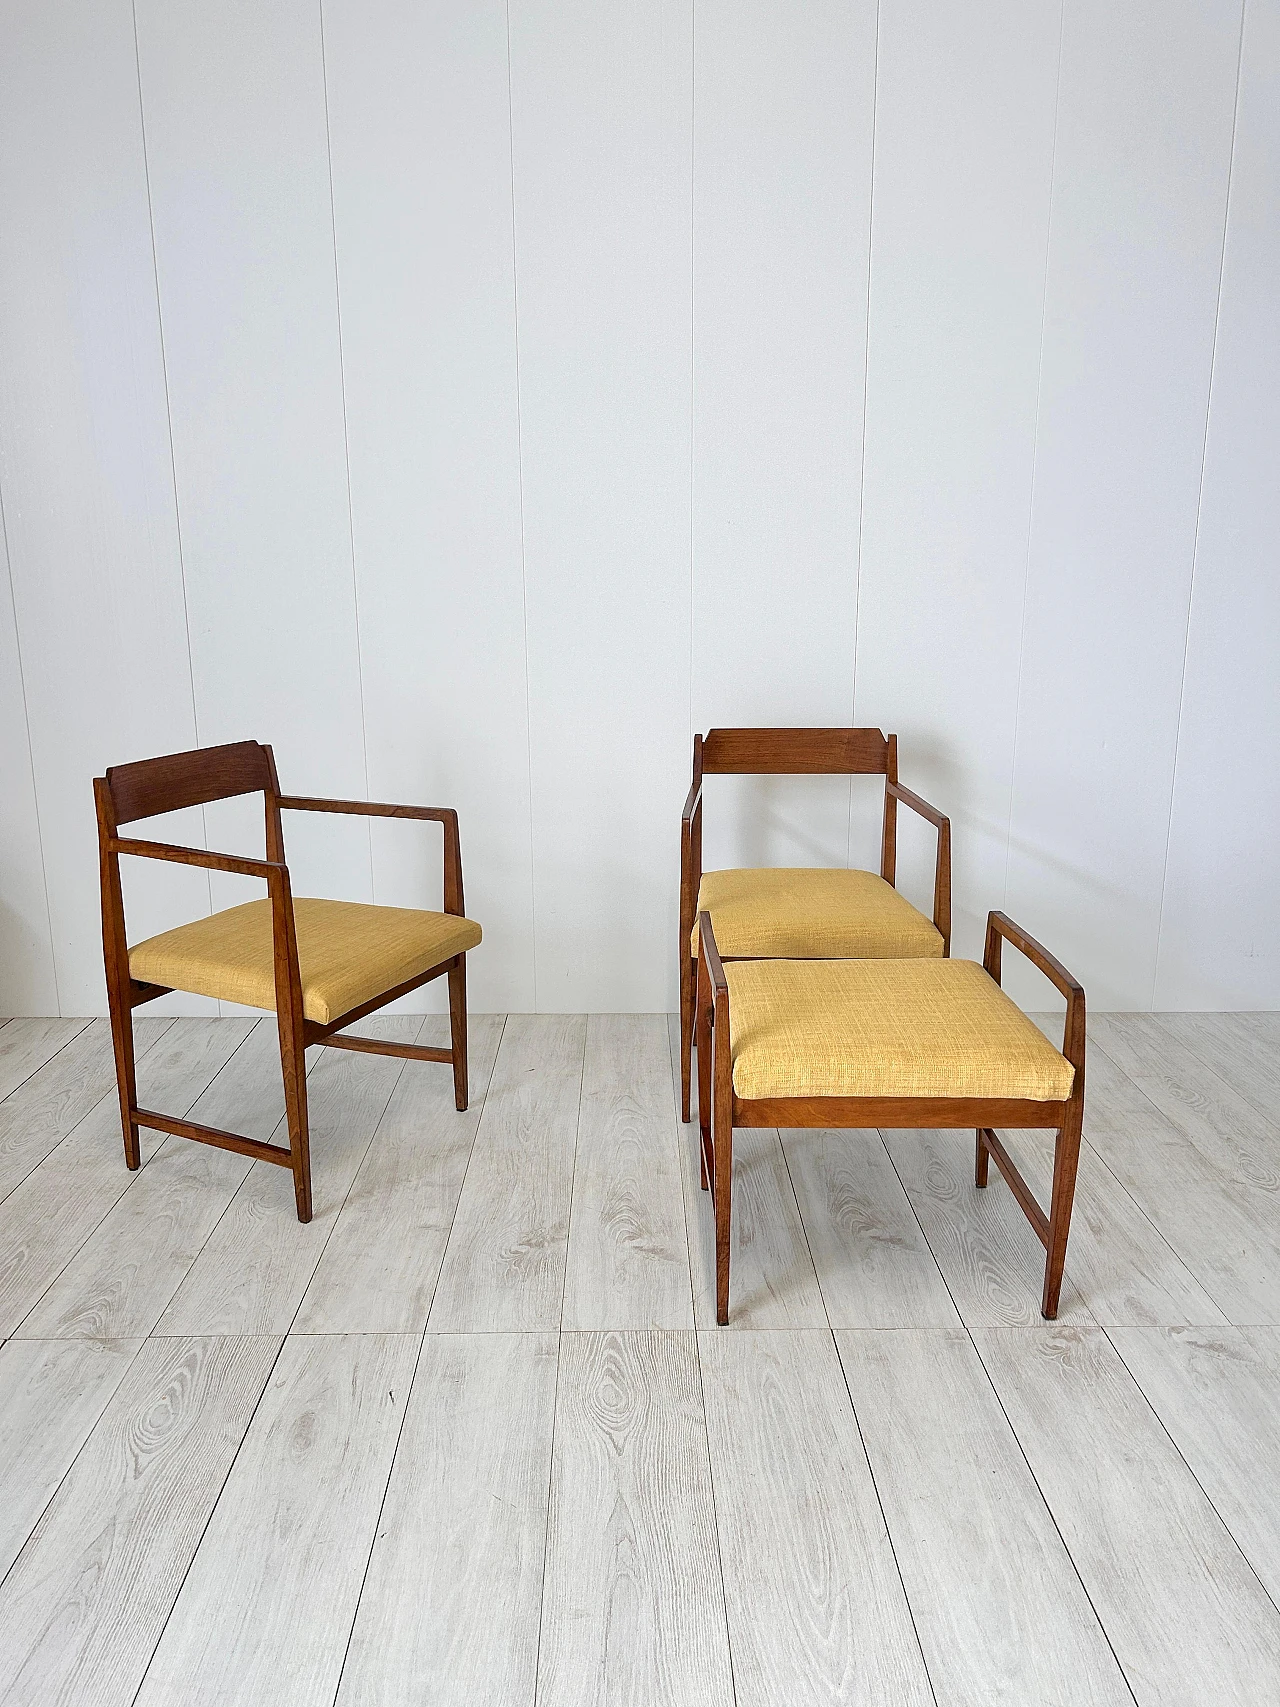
[{"x": 473, "y": 399}]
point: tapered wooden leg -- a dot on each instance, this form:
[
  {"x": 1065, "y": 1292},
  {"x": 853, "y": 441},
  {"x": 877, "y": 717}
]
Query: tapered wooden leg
[
  {"x": 1066, "y": 1160},
  {"x": 458, "y": 1030},
  {"x": 722, "y": 1125},
  {"x": 722, "y": 1146},
  {"x": 688, "y": 978},
  {"x": 982, "y": 1160},
  {"x": 122, "y": 1039},
  {"x": 703, "y": 1014},
  {"x": 293, "y": 1066}
]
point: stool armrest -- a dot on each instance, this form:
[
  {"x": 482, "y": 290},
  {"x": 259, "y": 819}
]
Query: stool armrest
[
  {"x": 444, "y": 815},
  {"x": 1000, "y": 927},
  {"x": 942, "y": 865},
  {"x": 711, "y": 954}
]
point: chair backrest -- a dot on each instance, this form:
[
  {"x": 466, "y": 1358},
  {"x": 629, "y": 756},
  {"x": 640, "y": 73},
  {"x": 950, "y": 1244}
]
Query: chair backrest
[
  {"x": 153, "y": 786},
  {"x": 798, "y": 752}
]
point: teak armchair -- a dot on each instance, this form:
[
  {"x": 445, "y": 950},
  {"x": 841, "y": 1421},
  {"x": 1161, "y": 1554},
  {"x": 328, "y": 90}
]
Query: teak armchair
[
  {"x": 803, "y": 914},
  {"x": 320, "y": 965}
]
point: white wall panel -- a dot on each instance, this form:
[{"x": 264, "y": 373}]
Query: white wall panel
[
  {"x": 1144, "y": 138},
  {"x": 783, "y": 101},
  {"x": 234, "y": 108},
  {"x": 601, "y": 101},
  {"x": 419, "y": 116},
  {"x": 27, "y": 981},
  {"x": 85, "y": 462},
  {"x": 1220, "y": 939},
  {"x": 965, "y": 108}
]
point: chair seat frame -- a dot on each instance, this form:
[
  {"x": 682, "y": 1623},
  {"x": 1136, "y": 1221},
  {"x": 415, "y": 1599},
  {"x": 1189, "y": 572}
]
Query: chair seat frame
[
  {"x": 720, "y": 1109},
  {"x": 794, "y": 752},
  {"x": 155, "y": 786}
]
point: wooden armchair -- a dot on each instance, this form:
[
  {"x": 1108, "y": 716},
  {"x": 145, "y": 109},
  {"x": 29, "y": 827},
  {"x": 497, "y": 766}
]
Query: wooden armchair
[
  {"x": 803, "y": 914},
  {"x": 317, "y": 964}
]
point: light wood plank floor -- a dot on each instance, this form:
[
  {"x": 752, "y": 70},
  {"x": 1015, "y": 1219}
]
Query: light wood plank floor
[{"x": 473, "y": 1437}]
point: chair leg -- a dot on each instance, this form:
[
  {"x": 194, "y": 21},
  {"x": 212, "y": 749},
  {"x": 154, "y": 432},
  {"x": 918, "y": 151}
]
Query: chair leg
[
  {"x": 1066, "y": 1159},
  {"x": 981, "y": 1161},
  {"x": 293, "y": 1067},
  {"x": 688, "y": 979},
  {"x": 458, "y": 1030},
  {"x": 126, "y": 1083}
]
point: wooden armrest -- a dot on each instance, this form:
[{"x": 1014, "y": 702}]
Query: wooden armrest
[
  {"x": 445, "y": 815},
  {"x": 691, "y": 803},
  {"x": 196, "y": 856},
  {"x": 939, "y": 820},
  {"x": 942, "y": 864},
  {"x": 711, "y": 954},
  {"x": 366, "y": 808},
  {"x": 1001, "y": 927}
]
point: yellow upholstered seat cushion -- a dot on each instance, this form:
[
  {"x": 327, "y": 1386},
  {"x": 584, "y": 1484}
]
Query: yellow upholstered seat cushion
[
  {"x": 884, "y": 1028},
  {"x": 813, "y": 914},
  {"x": 348, "y": 953}
]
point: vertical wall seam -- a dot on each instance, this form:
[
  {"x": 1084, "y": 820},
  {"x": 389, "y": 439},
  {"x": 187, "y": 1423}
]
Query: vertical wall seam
[
  {"x": 693, "y": 324},
  {"x": 524, "y": 571},
  {"x": 346, "y": 445},
  {"x": 1035, "y": 456},
  {"x": 168, "y": 417},
  {"x": 1195, "y": 540},
  {"x": 862, "y": 449},
  {"x": 31, "y": 757}
]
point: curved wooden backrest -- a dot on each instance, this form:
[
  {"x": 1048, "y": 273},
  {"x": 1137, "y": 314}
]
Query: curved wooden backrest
[
  {"x": 167, "y": 784},
  {"x": 796, "y": 752}
]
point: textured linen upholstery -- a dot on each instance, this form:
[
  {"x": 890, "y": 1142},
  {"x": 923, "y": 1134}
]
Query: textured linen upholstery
[
  {"x": 348, "y": 953},
  {"x": 884, "y": 1028},
  {"x": 819, "y": 914}
]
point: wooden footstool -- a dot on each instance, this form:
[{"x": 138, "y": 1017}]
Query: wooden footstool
[{"x": 885, "y": 1043}]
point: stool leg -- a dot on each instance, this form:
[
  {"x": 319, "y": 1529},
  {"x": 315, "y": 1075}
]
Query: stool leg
[
  {"x": 1066, "y": 1159},
  {"x": 722, "y": 1154},
  {"x": 981, "y": 1162},
  {"x": 688, "y": 975},
  {"x": 703, "y": 1015}
]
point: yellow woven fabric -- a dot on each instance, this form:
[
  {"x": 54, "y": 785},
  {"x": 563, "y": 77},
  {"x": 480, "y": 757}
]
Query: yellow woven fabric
[
  {"x": 348, "y": 953},
  {"x": 801, "y": 914},
  {"x": 884, "y": 1028}
]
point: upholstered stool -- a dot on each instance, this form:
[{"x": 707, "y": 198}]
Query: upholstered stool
[{"x": 911, "y": 1043}]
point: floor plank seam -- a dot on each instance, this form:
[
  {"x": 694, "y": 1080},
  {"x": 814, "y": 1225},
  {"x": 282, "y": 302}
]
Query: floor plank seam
[
  {"x": 573, "y": 1180},
  {"x": 204, "y": 1530},
  {"x": 108, "y": 1095},
  {"x": 74, "y": 1457},
  {"x": 1190, "y": 1469},
  {"x": 26, "y": 1077},
  {"x": 475, "y": 1136},
  {"x": 382, "y": 1506},
  {"x": 1070, "y": 1556},
  {"x": 546, "y": 1532},
  {"x": 133, "y": 1175},
  {"x": 355, "y": 1174},
  {"x": 715, "y": 1516}
]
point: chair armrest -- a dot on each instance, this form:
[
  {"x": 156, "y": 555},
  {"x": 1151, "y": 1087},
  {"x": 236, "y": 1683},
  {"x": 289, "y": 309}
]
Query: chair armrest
[
  {"x": 942, "y": 863},
  {"x": 444, "y": 815},
  {"x": 1000, "y": 927},
  {"x": 908, "y": 797},
  {"x": 692, "y": 800},
  {"x": 365, "y": 808},
  {"x": 196, "y": 856}
]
